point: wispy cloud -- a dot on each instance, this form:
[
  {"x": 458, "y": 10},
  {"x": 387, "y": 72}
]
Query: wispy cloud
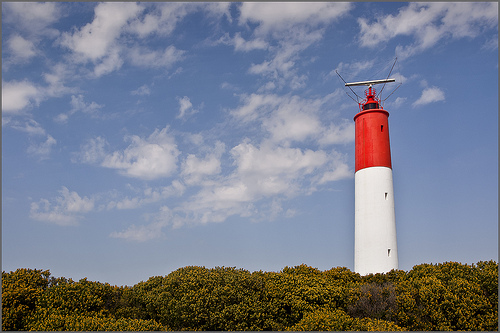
[
  {"x": 30, "y": 126},
  {"x": 242, "y": 45},
  {"x": 147, "y": 232},
  {"x": 199, "y": 170},
  {"x": 253, "y": 176},
  {"x": 144, "y": 158},
  {"x": 21, "y": 48},
  {"x": 42, "y": 149},
  {"x": 63, "y": 210},
  {"x": 143, "y": 90},
  {"x": 78, "y": 104},
  {"x": 34, "y": 129},
  {"x": 147, "y": 196},
  {"x": 140, "y": 233},
  {"x": 33, "y": 19},
  {"x": 428, "y": 23},
  {"x": 185, "y": 108},
  {"x": 278, "y": 17},
  {"x": 289, "y": 28},
  {"x": 429, "y": 95},
  {"x": 97, "y": 40},
  {"x": 140, "y": 56},
  {"x": 18, "y": 95}
]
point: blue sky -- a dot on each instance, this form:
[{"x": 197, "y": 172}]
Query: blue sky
[{"x": 138, "y": 138}]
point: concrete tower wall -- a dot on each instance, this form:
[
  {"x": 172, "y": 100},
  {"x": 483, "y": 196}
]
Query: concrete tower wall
[{"x": 375, "y": 240}]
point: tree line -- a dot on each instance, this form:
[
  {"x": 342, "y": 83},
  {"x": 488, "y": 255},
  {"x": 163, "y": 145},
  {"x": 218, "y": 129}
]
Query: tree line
[{"x": 446, "y": 296}]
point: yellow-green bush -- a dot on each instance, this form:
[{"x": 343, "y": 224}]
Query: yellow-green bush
[
  {"x": 448, "y": 296},
  {"x": 20, "y": 291},
  {"x": 338, "y": 320},
  {"x": 46, "y": 321}
]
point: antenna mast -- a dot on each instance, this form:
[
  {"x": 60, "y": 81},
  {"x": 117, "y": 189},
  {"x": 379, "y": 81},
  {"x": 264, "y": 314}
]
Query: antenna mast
[{"x": 371, "y": 100}]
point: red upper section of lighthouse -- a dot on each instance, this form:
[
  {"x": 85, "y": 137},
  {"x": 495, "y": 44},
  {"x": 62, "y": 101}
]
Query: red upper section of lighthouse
[{"x": 372, "y": 134}]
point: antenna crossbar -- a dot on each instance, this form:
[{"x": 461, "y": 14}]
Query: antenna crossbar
[{"x": 369, "y": 83}]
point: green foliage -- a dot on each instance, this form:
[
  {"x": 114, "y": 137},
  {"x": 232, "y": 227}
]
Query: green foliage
[
  {"x": 49, "y": 321},
  {"x": 20, "y": 291},
  {"x": 75, "y": 298},
  {"x": 448, "y": 296},
  {"x": 377, "y": 301},
  {"x": 337, "y": 320}
]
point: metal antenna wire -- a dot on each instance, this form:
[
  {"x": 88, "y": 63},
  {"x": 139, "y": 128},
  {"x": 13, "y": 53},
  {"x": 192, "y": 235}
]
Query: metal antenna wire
[
  {"x": 388, "y": 77},
  {"x": 349, "y": 88}
]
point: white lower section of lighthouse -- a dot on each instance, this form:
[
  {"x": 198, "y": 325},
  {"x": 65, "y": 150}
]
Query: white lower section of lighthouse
[{"x": 375, "y": 241}]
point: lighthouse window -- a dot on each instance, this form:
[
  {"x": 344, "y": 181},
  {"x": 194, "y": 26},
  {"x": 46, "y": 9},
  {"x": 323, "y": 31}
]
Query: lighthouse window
[
  {"x": 386, "y": 195},
  {"x": 381, "y": 128},
  {"x": 369, "y": 106},
  {"x": 388, "y": 252}
]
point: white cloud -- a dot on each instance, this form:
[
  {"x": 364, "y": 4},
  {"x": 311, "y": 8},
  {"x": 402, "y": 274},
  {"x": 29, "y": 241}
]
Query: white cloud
[
  {"x": 33, "y": 18},
  {"x": 294, "y": 27},
  {"x": 398, "y": 102},
  {"x": 149, "y": 195},
  {"x": 281, "y": 69},
  {"x": 195, "y": 170},
  {"x": 55, "y": 80},
  {"x": 264, "y": 172},
  {"x": 428, "y": 23},
  {"x": 151, "y": 231},
  {"x": 242, "y": 45},
  {"x": 430, "y": 95},
  {"x": 185, "y": 108},
  {"x": 140, "y": 233},
  {"x": 217, "y": 202},
  {"x": 163, "y": 18},
  {"x": 21, "y": 48},
  {"x": 281, "y": 16},
  {"x": 290, "y": 118},
  {"x": 110, "y": 63},
  {"x": 18, "y": 95},
  {"x": 143, "y": 90},
  {"x": 79, "y": 105},
  {"x": 337, "y": 169},
  {"x": 217, "y": 10},
  {"x": 42, "y": 149},
  {"x": 255, "y": 105},
  {"x": 263, "y": 177},
  {"x": 146, "y": 158},
  {"x": 491, "y": 44},
  {"x": 294, "y": 120},
  {"x": 97, "y": 39},
  {"x": 31, "y": 127},
  {"x": 343, "y": 132},
  {"x": 94, "y": 151},
  {"x": 352, "y": 69},
  {"x": 140, "y": 56},
  {"x": 267, "y": 161},
  {"x": 63, "y": 210}
]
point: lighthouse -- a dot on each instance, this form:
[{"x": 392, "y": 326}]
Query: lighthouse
[{"x": 375, "y": 244}]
